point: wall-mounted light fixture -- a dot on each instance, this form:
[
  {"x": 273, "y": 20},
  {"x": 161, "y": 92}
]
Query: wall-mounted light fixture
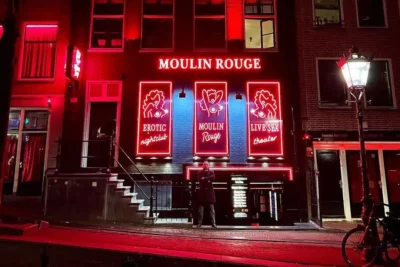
[
  {"x": 182, "y": 94},
  {"x": 239, "y": 96}
]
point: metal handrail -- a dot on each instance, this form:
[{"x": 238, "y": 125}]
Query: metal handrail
[{"x": 129, "y": 158}]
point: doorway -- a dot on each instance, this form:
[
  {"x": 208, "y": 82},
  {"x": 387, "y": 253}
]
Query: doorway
[
  {"x": 330, "y": 184},
  {"x": 355, "y": 180},
  {"x": 24, "y": 159},
  {"x": 102, "y": 125},
  {"x": 392, "y": 167}
]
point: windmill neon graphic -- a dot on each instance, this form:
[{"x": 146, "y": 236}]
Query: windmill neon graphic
[{"x": 211, "y": 100}]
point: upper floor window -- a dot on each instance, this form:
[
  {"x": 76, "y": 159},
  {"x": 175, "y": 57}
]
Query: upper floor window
[
  {"x": 38, "y": 52},
  {"x": 371, "y": 13},
  {"x": 327, "y": 12},
  {"x": 158, "y": 24},
  {"x": 260, "y": 24},
  {"x": 209, "y": 24},
  {"x": 107, "y": 31},
  {"x": 333, "y": 89}
]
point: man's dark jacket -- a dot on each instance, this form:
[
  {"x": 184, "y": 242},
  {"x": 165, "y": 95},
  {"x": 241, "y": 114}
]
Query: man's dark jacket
[{"x": 206, "y": 194}]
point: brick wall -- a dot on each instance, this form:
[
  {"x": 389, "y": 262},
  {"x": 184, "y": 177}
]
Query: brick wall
[{"x": 314, "y": 42}]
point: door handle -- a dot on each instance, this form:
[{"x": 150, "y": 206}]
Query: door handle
[
  {"x": 341, "y": 184},
  {"x": 21, "y": 164}
]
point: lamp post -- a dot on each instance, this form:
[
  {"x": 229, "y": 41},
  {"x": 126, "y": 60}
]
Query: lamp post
[{"x": 355, "y": 70}]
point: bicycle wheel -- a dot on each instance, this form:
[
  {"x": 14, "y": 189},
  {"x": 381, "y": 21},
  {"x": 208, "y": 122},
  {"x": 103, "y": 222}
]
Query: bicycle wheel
[
  {"x": 392, "y": 250},
  {"x": 354, "y": 250}
]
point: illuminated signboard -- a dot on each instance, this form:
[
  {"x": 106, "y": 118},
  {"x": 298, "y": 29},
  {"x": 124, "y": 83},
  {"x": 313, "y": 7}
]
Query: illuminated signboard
[
  {"x": 239, "y": 197},
  {"x": 209, "y": 64},
  {"x": 211, "y": 119},
  {"x": 1, "y": 32},
  {"x": 74, "y": 63},
  {"x": 154, "y": 126},
  {"x": 264, "y": 119}
]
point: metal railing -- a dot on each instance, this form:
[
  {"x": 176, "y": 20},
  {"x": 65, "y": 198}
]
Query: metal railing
[{"x": 163, "y": 197}]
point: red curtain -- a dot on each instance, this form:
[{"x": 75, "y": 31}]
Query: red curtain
[
  {"x": 33, "y": 158},
  {"x": 8, "y": 164},
  {"x": 39, "y": 51}
]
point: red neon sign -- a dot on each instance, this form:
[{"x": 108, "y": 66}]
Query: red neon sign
[
  {"x": 76, "y": 63},
  {"x": 154, "y": 128},
  {"x": 1, "y": 31},
  {"x": 209, "y": 63},
  {"x": 73, "y": 67},
  {"x": 211, "y": 119},
  {"x": 288, "y": 170},
  {"x": 264, "y": 119}
]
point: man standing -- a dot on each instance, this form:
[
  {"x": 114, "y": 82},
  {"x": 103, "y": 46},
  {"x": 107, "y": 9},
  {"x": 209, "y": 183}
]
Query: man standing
[{"x": 206, "y": 194}]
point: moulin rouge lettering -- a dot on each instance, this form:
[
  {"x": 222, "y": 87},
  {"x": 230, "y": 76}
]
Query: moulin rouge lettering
[
  {"x": 207, "y": 137},
  {"x": 154, "y": 139},
  {"x": 209, "y": 63}
]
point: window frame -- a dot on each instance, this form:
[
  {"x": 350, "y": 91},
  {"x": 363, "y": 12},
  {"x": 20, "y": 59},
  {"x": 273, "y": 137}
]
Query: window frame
[
  {"x": 373, "y": 27},
  {"x": 392, "y": 87},
  {"x": 320, "y": 105},
  {"x": 142, "y": 16},
  {"x": 225, "y": 49},
  {"x": 275, "y": 20},
  {"x": 105, "y": 49},
  {"x": 22, "y": 50},
  {"x": 341, "y": 10}
]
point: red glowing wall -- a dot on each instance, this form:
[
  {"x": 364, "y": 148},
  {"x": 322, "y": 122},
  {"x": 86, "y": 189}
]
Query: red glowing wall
[
  {"x": 211, "y": 135},
  {"x": 154, "y": 129},
  {"x": 264, "y": 119}
]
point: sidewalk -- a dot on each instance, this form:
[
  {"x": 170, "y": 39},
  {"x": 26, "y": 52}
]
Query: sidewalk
[{"x": 277, "y": 249}]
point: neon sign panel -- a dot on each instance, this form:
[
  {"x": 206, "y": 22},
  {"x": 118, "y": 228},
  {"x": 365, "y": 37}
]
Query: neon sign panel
[
  {"x": 74, "y": 63},
  {"x": 209, "y": 63},
  {"x": 154, "y": 126},
  {"x": 264, "y": 118},
  {"x": 211, "y": 119}
]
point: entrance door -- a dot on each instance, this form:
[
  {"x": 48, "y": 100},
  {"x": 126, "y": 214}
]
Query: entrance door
[
  {"x": 330, "y": 184},
  {"x": 315, "y": 211},
  {"x": 103, "y": 117},
  {"x": 32, "y": 164},
  {"x": 8, "y": 164},
  {"x": 355, "y": 181},
  {"x": 392, "y": 168}
]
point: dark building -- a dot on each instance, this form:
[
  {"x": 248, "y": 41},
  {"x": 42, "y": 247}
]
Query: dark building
[
  {"x": 326, "y": 30},
  {"x": 175, "y": 82}
]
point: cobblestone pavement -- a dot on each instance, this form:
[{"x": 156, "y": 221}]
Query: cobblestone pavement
[
  {"x": 289, "y": 252},
  {"x": 277, "y": 236}
]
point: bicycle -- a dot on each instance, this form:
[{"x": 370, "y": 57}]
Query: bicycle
[{"x": 367, "y": 244}]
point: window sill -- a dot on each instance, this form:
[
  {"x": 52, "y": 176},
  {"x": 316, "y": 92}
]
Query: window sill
[
  {"x": 381, "y": 108},
  {"x": 156, "y": 50},
  {"x": 372, "y": 27},
  {"x": 36, "y": 80},
  {"x": 330, "y": 25},
  {"x": 261, "y": 50},
  {"x": 211, "y": 50},
  {"x": 334, "y": 107},
  {"x": 105, "y": 50}
]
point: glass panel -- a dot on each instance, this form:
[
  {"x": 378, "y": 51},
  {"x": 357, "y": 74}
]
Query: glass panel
[
  {"x": 371, "y": 13},
  {"x": 161, "y": 7},
  {"x": 327, "y": 12},
  {"x": 1, "y": 31},
  {"x": 108, "y": 7},
  {"x": 332, "y": 87},
  {"x": 107, "y": 33},
  {"x": 264, "y": 7},
  {"x": 209, "y": 7},
  {"x": 157, "y": 33},
  {"x": 9, "y": 154},
  {"x": 32, "y": 157},
  {"x": 392, "y": 166},
  {"x": 259, "y": 33},
  {"x": 36, "y": 120},
  {"x": 378, "y": 88},
  {"x": 210, "y": 33},
  {"x": 13, "y": 121}
]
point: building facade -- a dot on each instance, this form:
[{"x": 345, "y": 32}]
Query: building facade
[{"x": 326, "y": 30}]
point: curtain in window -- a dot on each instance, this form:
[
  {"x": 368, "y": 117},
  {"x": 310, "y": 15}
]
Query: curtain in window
[
  {"x": 39, "y": 51},
  {"x": 33, "y": 156},
  {"x": 8, "y": 164}
]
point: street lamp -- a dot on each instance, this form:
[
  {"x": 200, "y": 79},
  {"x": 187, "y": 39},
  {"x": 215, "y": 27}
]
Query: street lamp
[{"x": 355, "y": 70}]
